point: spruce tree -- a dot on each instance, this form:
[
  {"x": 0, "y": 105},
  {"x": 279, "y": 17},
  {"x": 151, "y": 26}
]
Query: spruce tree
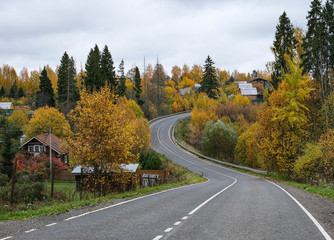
[
  {"x": 93, "y": 80},
  {"x": 67, "y": 88},
  {"x": 138, "y": 87},
  {"x": 108, "y": 69},
  {"x": 21, "y": 92},
  {"x": 312, "y": 43},
  {"x": 2, "y": 92},
  {"x": 284, "y": 44},
  {"x": 209, "y": 83},
  {"x": 13, "y": 90},
  {"x": 121, "y": 88},
  {"x": 45, "y": 96}
]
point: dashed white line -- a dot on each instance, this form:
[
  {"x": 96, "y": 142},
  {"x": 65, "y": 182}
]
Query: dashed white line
[
  {"x": 168, "y": 230},
  {"x": 51, "y": 224},
  {"x": 158, "y": 237},
  {"x": 185, "y": 217},
  {"x": 9, "y": 237},
  {"x": 177, "y": 223},
  {"x": 31, "y": 230}
]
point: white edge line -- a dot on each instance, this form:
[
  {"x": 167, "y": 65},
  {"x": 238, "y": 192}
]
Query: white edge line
[
  {"x": 131, "y": 200},
  {"x": 158, "y": 237},
  {"x": 177, "y": 223},
  {"x": 208, "y": 200},
  {"x": 185, "y": 217},
  {"x": 316, "y": 223},
  {"x": 31, "y": 230},
  {"x": 9, "y": 237}
]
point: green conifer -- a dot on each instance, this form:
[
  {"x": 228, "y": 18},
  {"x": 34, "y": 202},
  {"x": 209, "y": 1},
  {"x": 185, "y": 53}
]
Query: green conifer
[
  {"x": 45, "y": 96},
  {"x": 108, "y": 69},
  {"x": 209, "y": 83},
  {"x": 93, "y": 80}
]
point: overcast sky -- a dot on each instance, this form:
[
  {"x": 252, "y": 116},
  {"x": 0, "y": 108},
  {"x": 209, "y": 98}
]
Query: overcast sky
[{"x": 237, "y": 34}]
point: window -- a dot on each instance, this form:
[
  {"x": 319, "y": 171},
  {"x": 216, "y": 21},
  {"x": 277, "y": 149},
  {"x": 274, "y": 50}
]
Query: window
[
  {"x": 36, "y": 148},
  {"x": 30, "y": 148},
  {"x": 65, "y": 159}
]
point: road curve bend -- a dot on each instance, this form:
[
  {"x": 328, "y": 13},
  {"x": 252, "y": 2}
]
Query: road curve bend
[
  {"x": 230, "y": 205},
  {"x": 251, "y": 208}
]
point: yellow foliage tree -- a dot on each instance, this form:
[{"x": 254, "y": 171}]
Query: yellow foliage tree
[
  {"x": 242, "y": 100},
  {"x": 104, "y": 138},
  {"x": 45, "y": 117},
  {"x": 18, "y": 118},
  {"x": 283, "y": 124}
]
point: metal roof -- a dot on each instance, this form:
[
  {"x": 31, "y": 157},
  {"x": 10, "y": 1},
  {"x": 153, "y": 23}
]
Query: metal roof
[
  {"x": 6, "y": 105},
  {"x": 126, "y": 167},
  {"x": 248, "y": 92},
  {"x": 245, "y": 85}
]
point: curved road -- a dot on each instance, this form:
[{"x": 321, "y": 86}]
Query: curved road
[{"x": 231, "y": 205}]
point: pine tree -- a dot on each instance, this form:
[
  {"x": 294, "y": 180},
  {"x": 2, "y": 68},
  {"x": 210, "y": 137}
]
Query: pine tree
[
  {"x": 67, "y": 89},
  {"x": 209, "y": 83},
  {"x": 312, "y": 43},
  {"x": 93, "y": 80},
  {"x": 318, "y": 47},
  {"x": 21, "y": 93},
  {"x": 2, "y": 92},
  {"x": 13, "y": 90},
  {"x": 8, "y": 150},
  {"x": 108, "y": 69},
  {"x": 45, "y": 96},
  {"x": 138, "y": 87},
  {"x": 121, "y": 88},
  {"x": 284, "y": 44}
]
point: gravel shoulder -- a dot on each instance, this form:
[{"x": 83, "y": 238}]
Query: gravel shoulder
[{"x": 322, "y": 209}]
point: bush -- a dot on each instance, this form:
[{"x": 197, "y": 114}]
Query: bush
[
  {"x": 3, "y": 179},
  {"x": 26, "y": 190},
  {"x": 219, "y": 140},
  {"x": 150, "y": 161},
  {"x": 307, "y": 166}
]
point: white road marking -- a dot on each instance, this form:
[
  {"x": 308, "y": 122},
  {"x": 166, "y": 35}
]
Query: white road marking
[
  {"x": 185, "y": 217},
  {"x": 158, "y": 237},
  {"x": 31, "y": 230},
  {"x": 51, "y": 224},
  {"x": 9, "y": 237},
  {"x": 168, "y": 230},
  {"x": 177, "y": 223},
  {"x": 208, "y": 200},
  {"x": 131, "y": 200},
  {"x": 316, "y": 223}
]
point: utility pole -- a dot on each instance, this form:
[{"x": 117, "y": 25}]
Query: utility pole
[
  {"x": 145, "y": 83},
  {"x": 158, "y": 85},
  {"x": 51, "y": 165}
]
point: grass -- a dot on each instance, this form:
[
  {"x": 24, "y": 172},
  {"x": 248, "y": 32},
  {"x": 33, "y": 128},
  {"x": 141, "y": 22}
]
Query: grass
[
  {"x": 323, "y": 190},
  {"x": 181, "y": 177}
]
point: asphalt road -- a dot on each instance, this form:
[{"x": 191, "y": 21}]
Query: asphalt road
[{"x": 231, "y": 205}]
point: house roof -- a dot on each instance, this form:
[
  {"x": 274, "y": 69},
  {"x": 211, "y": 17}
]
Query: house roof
[
  {"x": 127, "y": 167},
  {"x": 258, "y": 79},
  {"x": 184, "y": 91},
  {"x": 248, "y": 92},
  {"x": 56, "y": 143},
  {"x": 6, "y": 105}
]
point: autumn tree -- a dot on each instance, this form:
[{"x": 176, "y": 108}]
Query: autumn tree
[
  {"x": 176, "y": 73},
  {"x": 101, "y": 138},
  {"x": 209, "y": 84},
  {"x": 45, "y": 96},
  {"x": 68, "y": 92},
  {"x": 18, "y": 118},
  {"x": 283, "y": 124},
  {"x": 44, "y": 118},
  {"x": 284, "y": 44}
]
